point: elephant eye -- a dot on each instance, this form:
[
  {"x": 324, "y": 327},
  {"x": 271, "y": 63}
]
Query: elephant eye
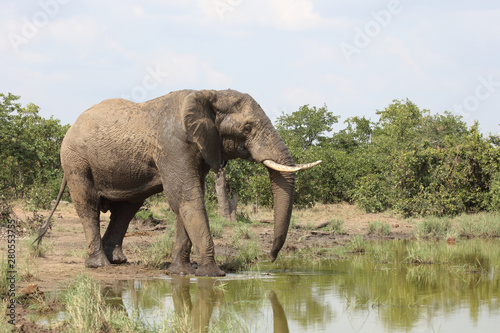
[{"x": 247, "y": 129}]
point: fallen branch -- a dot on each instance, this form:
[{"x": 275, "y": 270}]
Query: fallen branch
[{"x": 321, "y": 225}]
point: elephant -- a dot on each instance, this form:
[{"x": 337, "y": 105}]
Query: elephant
[{"x": 118, "y": 153}]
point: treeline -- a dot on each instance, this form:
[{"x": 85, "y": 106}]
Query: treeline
[
  {"x": 409, "y": 161},
  {"x": 30, "y": 167}
]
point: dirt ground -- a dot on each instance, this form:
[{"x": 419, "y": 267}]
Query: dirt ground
[{"x": 67, "y": 248}]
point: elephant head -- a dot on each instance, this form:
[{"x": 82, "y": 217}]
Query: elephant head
[{"x": 228, "y": 124}]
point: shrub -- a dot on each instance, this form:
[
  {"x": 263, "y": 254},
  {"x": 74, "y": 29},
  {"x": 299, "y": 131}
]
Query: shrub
[
  {"x": 44, "y": 189},
  {"x": 5, "y": 210},
  {"x": 494, "y": 194},
  {"x": 373, "y": 193}
]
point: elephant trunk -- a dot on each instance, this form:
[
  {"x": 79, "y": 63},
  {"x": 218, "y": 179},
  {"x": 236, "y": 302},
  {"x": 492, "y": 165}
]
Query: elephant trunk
[
  {"x": 283, "y": 187},
  {"x": 274, "y": 154}
]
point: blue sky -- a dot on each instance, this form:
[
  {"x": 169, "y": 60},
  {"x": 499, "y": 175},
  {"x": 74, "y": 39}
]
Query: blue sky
[{"x": 353, "y": 56}]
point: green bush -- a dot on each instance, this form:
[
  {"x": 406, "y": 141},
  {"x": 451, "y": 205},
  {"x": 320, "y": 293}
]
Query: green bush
[
  {"x": 373, "y": 194},
  {"x": 409, "y": 160},
  {"x": 30, "y": 150},
  {"x": 494, "y": 194},
  {"x": 5, "y": 210}
]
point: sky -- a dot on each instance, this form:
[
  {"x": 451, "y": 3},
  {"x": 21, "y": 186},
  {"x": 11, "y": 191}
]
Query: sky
[{"x": 353, "y": 56}]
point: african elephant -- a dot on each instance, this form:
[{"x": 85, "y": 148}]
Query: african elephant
[{"x": 118, "y": 153}]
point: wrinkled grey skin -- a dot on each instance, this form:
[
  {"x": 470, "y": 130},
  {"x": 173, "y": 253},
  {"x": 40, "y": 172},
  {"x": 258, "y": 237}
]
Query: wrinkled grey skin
[{"x": 118, "y": 153}]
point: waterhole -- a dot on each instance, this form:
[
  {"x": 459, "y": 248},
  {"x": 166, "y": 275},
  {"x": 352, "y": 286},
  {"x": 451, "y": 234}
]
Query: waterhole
[{"x": 392, "y": 286}]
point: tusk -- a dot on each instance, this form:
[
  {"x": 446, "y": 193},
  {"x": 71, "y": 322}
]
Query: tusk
[
  {"x": 286, "y": 168},
  {"x": 308, "y": 165}
]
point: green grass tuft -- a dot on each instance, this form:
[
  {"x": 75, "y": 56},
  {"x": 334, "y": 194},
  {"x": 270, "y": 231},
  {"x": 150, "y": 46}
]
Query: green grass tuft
[
  {"x": 88, "y": 312},
  {"x": 379, "y": 228},
  {"x": 357, "y": 244},
  {"x": 156, "y": 255},
  {"x": 40, "y": 250},
  {"x": 486, "y": 225},
  {"x": 433, "y": 227},
  {"x": 336, "y": 226}
]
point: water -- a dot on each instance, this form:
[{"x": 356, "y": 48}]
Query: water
[{"x": 395, "y": 287}]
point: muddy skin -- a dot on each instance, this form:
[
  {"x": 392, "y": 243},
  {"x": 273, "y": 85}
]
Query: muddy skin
[
  {"x": 97, "y": 259},
  {"x": 118, "y": 153},
  {"x": 115, "y": 254}
]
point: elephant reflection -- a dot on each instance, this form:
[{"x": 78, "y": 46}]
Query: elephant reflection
[
  {"x": 280, "y": 324},
  {"x": 113, "y": 293},
  {"x": 208, "y": 297}
]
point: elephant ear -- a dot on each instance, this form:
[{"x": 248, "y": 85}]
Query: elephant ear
[{"x": 198, "y": 121}]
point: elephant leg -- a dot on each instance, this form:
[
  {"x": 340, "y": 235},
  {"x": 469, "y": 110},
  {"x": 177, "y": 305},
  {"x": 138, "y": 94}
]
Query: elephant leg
[
  {"x": 86, "y": 202},
  {"x": 181, "y": 252},
  {"x": 121, "y": 214},
  {"x": 195, "y": 219}
]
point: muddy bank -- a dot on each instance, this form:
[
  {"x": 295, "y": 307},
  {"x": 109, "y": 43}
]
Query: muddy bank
[{"x": 66, "y": 246}]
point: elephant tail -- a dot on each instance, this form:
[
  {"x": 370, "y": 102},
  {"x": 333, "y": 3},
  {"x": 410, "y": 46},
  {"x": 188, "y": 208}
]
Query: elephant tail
[{"x": 46, "y": 226}]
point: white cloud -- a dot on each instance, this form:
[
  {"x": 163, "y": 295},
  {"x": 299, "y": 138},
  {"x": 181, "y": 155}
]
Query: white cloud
[
  {"x": 78, "y": 32},
  {"x": 294, "y": 15},
  {"x": 138, "y": 11},
  {"x": 215, "y": 78},
  {"x": 341, "y": 86},
  {"x": 50, "y": 77},
  {"x": 297, "y": 96},
  {"x": 116, "y": 46},
  {"x": 397, "y": 48},
  {"x": 291, "y": 15},
  {"x": 32, "y": 58},
  {"x": 187, "y": 70}
]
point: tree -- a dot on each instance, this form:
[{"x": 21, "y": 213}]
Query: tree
[
  {"x": 304, "y": 132},
  {"x": 30, "y": 146},
  {"x": 305, "y": 127},
  {"x": 400, "y": 120},
  {"x": 358, "y": 133},
  {"x": 227, "y": 206}
]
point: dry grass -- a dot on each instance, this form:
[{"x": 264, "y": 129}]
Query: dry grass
[{"x": 356, "y": 221}]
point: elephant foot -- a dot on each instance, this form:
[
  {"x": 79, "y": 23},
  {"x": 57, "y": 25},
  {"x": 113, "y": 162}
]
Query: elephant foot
[
  {"x": 97, "y": 259},
  {"x": 209, "y": 270},
  {"x": 181, "y": 269},
  {"x": 115, "y": 254}
]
